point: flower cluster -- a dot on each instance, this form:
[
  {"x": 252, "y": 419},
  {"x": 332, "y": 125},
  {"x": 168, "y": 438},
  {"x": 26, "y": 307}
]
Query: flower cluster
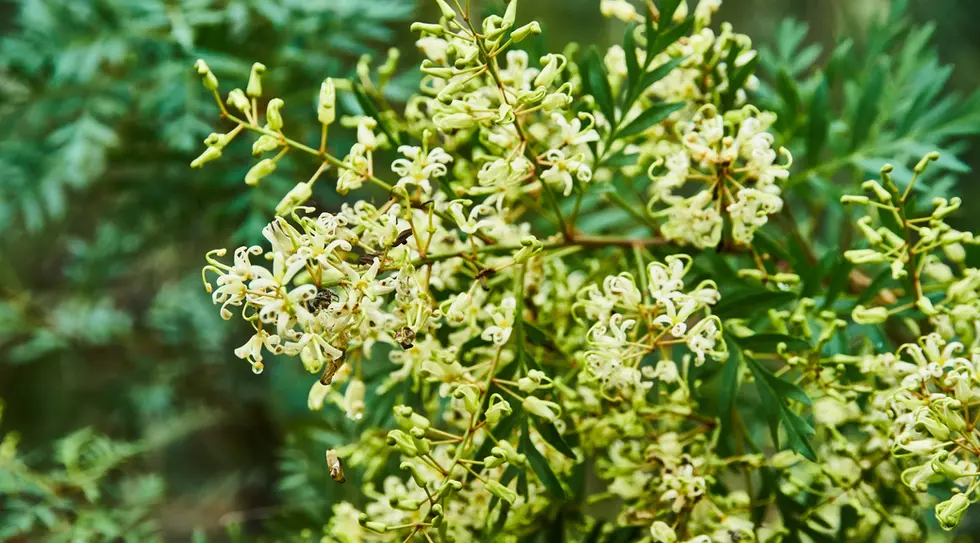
[
  {"x": 732, "y": 159},
  {"x": 504, "y": 343},
  {"x": 627, "y": 327}
]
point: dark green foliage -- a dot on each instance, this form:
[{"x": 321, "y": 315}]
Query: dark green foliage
[{"x": 104, "y": 319}]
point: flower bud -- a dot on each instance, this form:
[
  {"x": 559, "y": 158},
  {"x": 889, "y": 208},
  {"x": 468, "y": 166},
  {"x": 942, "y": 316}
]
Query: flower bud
[
  {"x": 428, "y": 28},
  {"x": 499, "y": 408},
  {"x": 403, "y": 442},
  {"x": 254, "y": 88},
  {"x": 470, "y": 397},
  {"x": 661, "y": 532},
  {"x": 553, "y": 65},
  {"x": 209, "y": 154},
  {"x": 501, "y": 491},
  {"x": 918, "y": 478},
  {"x": 947, "y": 410},
  {"x": 493, "y": 461},
  {"x": 549, "y": 411},
  {"x": 374, "y": 526},
  {"x": 326, "y": 110},
  {"x": 784, "y": 459},
  {"x": 925, "y": 305},
  {"x": 925, "y": 419},
  {"x": 354, "y": 399},
  {"x": 854, "y": 199},
  {"x": 259, "y": 171},
  {"x": 949, "y": 512},
  {"x": 939, "y": 464},
  {"x": 239, "y": 101},
  {"x": 751, "y": 273},
  {"x": 869, "y": 315},
  {"x": 318, "y": 393},
  {"x": 430, "y": 68},
  {"x": 507, "y": 451},
  {"x": 210, "y": 81},
  {"x": 924, "y": 163},
  {"x": 882, "y": 194},
  {"x": 273, "y": 115},
  {"x": 898, "y": 269},
  {"x": 522, "y": 33},
  {"x": 453, "y": 121},
  {"x": 264, "y": 144},
  {"x": 386, "y": 70},
  {"x": 407, "y": 418},
  {"x": 417, "y": 475},
  {"x": 422, "y": 445},
  {"x": 786, "y": 278},
  {"x": 405, "y": 504},
  {"x": 510, "y": 14},
  {"x": 955, "y": 252},
  {"x": 864, "y": 256},
  {"x": 447, "y": 12},
  {"x": 295, "y": 197},
  {"x": 365, "y": 133}
]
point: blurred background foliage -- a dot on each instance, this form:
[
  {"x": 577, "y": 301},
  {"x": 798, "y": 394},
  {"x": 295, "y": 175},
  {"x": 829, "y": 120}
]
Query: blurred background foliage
[{"x": 104, "y": 326}]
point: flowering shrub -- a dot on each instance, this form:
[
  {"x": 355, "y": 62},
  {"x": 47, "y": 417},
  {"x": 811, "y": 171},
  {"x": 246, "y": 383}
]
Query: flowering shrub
[{"x": 537, "y": 370}]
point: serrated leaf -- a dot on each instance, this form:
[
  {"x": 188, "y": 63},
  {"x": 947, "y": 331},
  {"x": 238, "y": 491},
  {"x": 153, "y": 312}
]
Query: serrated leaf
[
  {"x": 649, "y": 117},
  {"x": 767, "y": 343}
]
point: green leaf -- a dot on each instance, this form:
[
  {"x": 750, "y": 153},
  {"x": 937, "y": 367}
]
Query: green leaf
[
  {"x": 774, "y": 392},
  {"x": 729, "y": 380},
  {"x": 620, "y": 159},
  {"x": 738, "y": 79},
  {"x": 371, "y": 110},
  {"x": 598, "y": 85},
  {"x": 789, "y": 93},
  {"x": 550, "y": 434},
  {"x": 758, "y": 300},
  {"x": 875, "y": 287},
  {"x": 632, "y": 66},
  {"x": 536, "y": 335},
  {"x": 869, "y": 105},
  {"x": 839, "y": 275},
  {"x": 667, "y": 9},
  {"x": 818, "y": 122},
  {"x": 766, "y": 343},
  {"x": 540, "y": 465},
  {"x": 660, "y": 72},
  {"x": 666, "y": 38},
  {"x": 649, "y": 117}
]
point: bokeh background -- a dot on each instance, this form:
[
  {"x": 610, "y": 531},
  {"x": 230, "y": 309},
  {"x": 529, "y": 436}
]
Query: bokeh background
[{"x": 103, "y": 319}]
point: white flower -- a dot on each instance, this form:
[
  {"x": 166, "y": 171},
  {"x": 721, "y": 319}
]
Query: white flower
[
  {"x": 421, "y": 168},
  {"x": 620, "y": 9}
]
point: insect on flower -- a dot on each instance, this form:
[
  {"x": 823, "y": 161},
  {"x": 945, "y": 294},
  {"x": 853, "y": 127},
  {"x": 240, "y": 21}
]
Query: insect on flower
[{"x": 335, "y": 466}]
